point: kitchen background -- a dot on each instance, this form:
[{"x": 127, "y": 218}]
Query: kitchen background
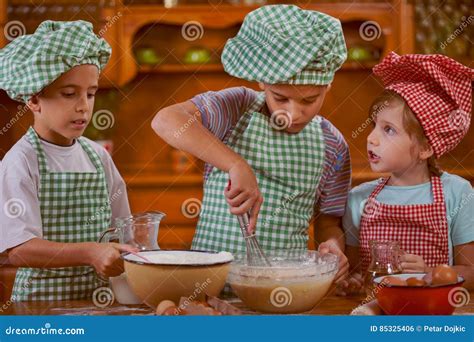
[{"x": 167, "y": 51}]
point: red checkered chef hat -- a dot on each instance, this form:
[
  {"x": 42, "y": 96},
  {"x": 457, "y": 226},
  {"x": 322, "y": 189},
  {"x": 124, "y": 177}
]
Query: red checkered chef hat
[{"x": 437, "y": 89}]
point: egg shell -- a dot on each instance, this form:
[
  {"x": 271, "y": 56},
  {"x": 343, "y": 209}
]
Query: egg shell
[
  {"x": 163, "y": 306},
  {"x": 443, "y": 275},
  {"x": 393, "y": 281},
  {"x": 413, "y": 281}
]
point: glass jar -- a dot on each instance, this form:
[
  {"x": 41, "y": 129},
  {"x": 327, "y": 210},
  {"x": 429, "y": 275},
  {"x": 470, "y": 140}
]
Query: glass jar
[{"x": 384, "y": 260}]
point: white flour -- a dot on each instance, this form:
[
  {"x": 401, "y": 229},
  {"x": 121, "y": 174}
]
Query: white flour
[{"x": 181, "y": 257}]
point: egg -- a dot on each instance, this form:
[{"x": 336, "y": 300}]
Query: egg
[
  {"x": 164, "y": 306},
  {"x": 443, "y": 275},
  {"x": 413, "y": 281},
  {"x": 394, "y": 281}
]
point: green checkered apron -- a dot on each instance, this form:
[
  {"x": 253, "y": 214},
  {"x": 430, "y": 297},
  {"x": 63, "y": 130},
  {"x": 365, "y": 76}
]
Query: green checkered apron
[
  {"x": 288, "y": 168},
  {"x": 75, "y": 207}
]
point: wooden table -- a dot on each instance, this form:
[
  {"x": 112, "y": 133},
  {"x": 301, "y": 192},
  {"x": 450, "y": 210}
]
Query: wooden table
[{"x": 331, "y": 305}]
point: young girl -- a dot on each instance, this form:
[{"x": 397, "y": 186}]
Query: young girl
[
  {"x": 423, "y": 113},
  {"x": 56, "y": 186},
  {"x": 286, "y": 164}
]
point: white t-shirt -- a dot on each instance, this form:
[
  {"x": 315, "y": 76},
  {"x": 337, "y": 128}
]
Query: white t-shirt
[{"x": 20, "y": 217}]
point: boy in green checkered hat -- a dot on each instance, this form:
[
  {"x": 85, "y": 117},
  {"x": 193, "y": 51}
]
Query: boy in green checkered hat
[
  {"x": 286, "y": 164},
  {"x": 56, "y": 186}
]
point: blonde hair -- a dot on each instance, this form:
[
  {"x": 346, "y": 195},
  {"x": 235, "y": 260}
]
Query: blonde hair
[{"x": 410, "y": 123}]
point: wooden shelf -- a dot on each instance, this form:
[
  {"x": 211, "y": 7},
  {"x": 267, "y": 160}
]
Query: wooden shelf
[
  {"x": 185, "y": 68},
  {"x": 163, "y": 179},
  {"x": 355, "y": 65},
  {"x": 226, "y": 16},
  {"x": 190, "y": 68},
  {"x": 180, "y": 68}
]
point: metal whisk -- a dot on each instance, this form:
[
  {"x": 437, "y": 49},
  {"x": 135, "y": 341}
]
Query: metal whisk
[{"x": 255, "y": 254}]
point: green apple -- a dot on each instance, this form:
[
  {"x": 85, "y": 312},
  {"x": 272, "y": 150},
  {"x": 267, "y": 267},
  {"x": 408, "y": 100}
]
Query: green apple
[
  {"x": 148, "y": 56},
  {"x": 357, "y": 53},
  {"x": 197, "y": 56}
]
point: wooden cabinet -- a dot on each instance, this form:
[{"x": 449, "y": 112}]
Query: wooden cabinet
[
  {"x": 213, "y": 25},
  {"x": 178, "y": 196},
  {"x": 3, "y": 21}
]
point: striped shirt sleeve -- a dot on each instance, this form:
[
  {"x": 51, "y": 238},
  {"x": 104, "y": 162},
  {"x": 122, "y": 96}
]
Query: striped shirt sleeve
[
  {"x": 335, "y": 181},
  {"x": 220, "y": 110}
]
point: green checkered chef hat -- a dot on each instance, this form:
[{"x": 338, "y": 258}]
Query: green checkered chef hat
[
  {"x": 31, "y": 62},
  {"x": 286, "y": 44}
]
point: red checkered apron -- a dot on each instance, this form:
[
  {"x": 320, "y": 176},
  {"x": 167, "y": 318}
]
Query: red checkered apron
[{"x": 421, "y": 229}]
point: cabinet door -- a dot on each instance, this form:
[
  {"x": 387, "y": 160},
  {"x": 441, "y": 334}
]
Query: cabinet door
[{"x": 181, "y": 206}]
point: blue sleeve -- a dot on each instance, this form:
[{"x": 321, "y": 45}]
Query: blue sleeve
[
  {"x": 460, "y": 200},
  {"x": 351, "y": 220},
  {"x": 350, "y": 230}
]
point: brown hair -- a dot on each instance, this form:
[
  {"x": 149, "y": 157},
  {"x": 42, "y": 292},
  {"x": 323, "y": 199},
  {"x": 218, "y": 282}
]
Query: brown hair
[{"x": 410, "y": 123}]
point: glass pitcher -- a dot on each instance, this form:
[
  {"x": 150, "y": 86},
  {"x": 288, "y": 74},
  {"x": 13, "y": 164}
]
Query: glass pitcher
[
  {"x": 139, "y": 230},
  {"x": 384, "y": 260}
]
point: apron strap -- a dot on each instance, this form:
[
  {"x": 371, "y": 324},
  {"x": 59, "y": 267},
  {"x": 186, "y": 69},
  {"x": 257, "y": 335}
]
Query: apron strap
[
  {"x": 34, "y": 140},
  {"x": 93, "y": 156},
  {"x": 379, "y": 187},
  {"x": 242, "y": 126},
  {"x": 437, "y": 188}
]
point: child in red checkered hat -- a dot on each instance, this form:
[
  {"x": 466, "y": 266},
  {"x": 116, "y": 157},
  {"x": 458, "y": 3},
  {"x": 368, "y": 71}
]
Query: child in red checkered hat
[{"x": 423, "y": 113}]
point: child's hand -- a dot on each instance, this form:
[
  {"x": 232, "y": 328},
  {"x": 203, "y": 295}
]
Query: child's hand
[
  {"x": 353, "y": 285},
  {"x": 329, "y": 247},
  {"x": 412, "y": 263},
  {"x": 105, "y": 258},
  {"x": 243, "y": 194}
]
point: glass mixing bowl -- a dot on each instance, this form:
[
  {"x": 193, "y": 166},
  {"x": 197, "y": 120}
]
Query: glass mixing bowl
[{"x": 296, "y": 281}]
